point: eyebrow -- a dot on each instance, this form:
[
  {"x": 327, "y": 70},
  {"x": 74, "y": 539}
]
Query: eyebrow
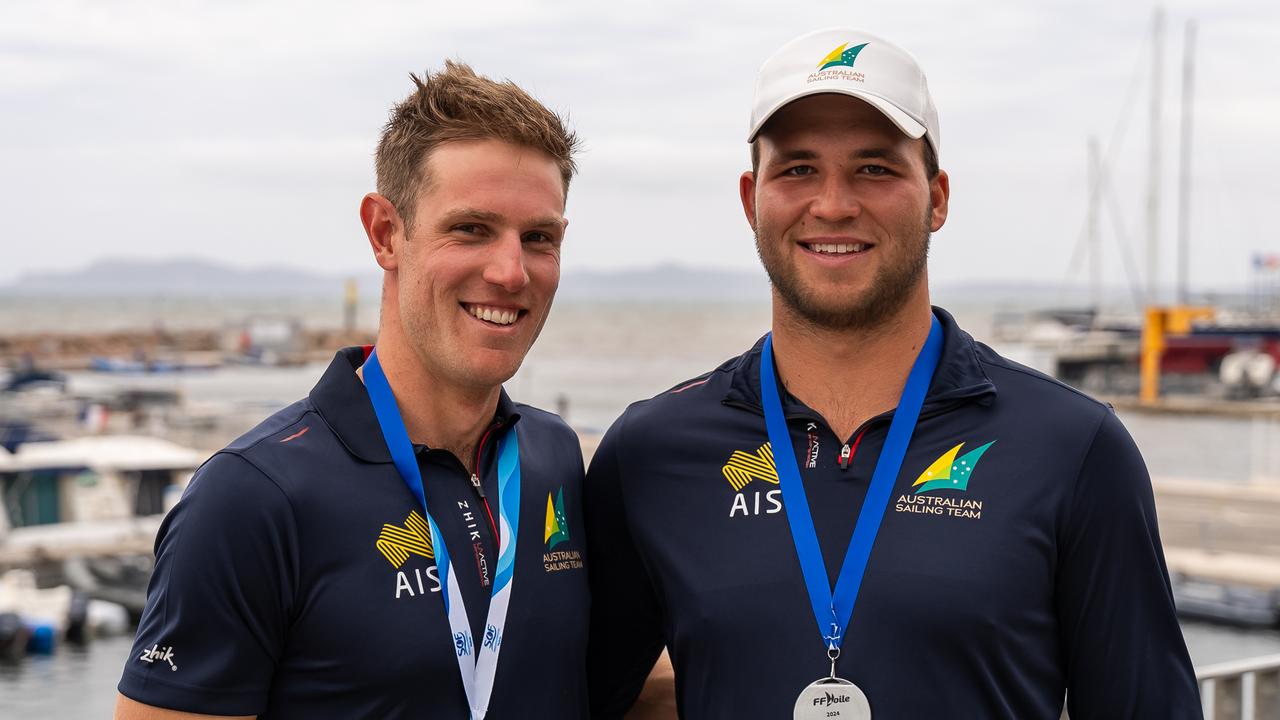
[
  {"x": 882, "y": 153},
  {"x": 489, "y": 216},
  {"x": 786, "y": 156},
  {"x": 873, "y": 153},
  {"x": 473, "y": 214}
]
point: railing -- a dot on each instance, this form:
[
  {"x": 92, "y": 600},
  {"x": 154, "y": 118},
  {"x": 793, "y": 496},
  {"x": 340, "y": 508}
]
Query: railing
[{"x": 1241, "y": 689}]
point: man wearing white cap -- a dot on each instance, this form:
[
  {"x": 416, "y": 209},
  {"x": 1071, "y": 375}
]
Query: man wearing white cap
[{"x": 869, "y": 513}]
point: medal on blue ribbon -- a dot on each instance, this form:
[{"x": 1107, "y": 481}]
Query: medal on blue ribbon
[
  {"x": 477, "y": 664},
  {"x": 832, "y": 610}
]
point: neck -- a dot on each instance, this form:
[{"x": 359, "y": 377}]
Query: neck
[
  {"x": 849, "y": 375},
  {"x": 436, "y": 414}
]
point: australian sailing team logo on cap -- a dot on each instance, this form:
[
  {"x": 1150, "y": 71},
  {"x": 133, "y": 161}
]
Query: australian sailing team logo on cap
[
  {"x": 751, "y": 474},
  {"x": 843, "y": 56},
  {"x": 948, "y": 472}
]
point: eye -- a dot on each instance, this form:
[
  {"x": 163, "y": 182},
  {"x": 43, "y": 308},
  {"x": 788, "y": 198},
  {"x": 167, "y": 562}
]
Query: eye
[
  {"x": 799, "y": 170},
  {"x": 538, "y": 237},
  {"x": 875, "y": 170},
  {"x": 469, "y": 229}
]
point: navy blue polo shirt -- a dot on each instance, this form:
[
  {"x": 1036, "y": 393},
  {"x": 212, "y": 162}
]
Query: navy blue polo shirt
[
  {"x": 1018, "y": 556},
  {"x": 293, "y": 580}
]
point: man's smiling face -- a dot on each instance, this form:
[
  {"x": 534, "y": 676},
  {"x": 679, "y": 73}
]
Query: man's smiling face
[
  {"x": 481, "y": 262},
  {"x": 842, "y": 209}
]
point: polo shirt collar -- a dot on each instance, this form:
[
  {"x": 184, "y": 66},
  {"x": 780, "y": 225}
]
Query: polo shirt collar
[
  {"x": 343, "y": 403},
  {"x": 959, "y": 375}
]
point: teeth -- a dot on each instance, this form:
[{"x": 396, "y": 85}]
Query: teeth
[
  {"x": 494, "y": 315},
  {"x": 838, "y": 248}
]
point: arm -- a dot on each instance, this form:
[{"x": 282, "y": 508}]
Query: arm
[
  {"x": 220, "y": 599},
  {"x": 657, "y": 700},
  {"x": 127, "y": 709},
  {"x": 1123, "y": 646},
  {"x": 626, "y": 620}
]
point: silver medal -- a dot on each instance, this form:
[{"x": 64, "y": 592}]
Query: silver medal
[{"x": 832, "y": 699}]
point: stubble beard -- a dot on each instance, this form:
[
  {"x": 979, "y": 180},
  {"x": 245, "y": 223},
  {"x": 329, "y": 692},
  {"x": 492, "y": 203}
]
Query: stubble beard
[
  {"x": 886, "y": 297},
  {"x": 438, "y": 352}
]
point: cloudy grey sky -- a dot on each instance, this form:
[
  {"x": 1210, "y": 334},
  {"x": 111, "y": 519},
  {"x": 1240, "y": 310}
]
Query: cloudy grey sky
[{"x": 243, "y": 131}]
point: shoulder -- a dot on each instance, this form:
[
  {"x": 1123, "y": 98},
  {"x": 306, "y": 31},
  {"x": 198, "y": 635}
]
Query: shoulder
[
  {"x": 230, "y": 509},
  {"x": 1030, "y": 389},
  {"x": 277, "y": 426},
  {"x": 293, "y": 443},
  {"x": 546, "y": 425},
  {"x": 1065, "y": 423},
  {"x": 695, "y": 400},
  {"x": 547, "y": 436},
  {"x": 224, "y": 488}
]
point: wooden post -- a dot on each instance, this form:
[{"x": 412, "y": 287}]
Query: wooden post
[{"x": 349, "y": 307}]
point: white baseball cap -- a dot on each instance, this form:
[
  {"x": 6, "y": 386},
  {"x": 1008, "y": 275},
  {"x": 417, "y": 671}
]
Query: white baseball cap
[{"x": 850, "y": 62}]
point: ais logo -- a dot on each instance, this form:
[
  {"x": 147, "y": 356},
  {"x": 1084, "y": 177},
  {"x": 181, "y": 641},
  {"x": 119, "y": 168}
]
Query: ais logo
[
  {"x": 397, "y": 543},
  {"x": 745, "y": 473}
]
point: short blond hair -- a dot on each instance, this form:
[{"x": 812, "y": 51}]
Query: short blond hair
[{"x": 457, "y": 104}]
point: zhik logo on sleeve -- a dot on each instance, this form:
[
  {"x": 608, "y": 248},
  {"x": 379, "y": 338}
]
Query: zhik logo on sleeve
[{"x": 156, "y": 654}]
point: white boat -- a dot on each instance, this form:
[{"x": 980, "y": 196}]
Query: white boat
[{"x": 85, "y": 511}]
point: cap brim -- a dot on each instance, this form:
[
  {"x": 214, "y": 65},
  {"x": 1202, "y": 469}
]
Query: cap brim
[{"x": 909, "y": 126}]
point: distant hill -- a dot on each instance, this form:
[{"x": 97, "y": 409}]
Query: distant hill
[
  {"x": 129, "y": 278},
  {"x": 180, "y": 278},
  {"x": 203, "y": 278}
]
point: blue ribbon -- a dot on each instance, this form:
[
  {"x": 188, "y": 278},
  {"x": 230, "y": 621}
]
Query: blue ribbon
[
  {"x": 477, "y": 665},
  {"x": 833, "y": 610}
]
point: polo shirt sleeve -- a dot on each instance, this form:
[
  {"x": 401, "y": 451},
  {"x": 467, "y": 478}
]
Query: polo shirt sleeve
[
  {"x": 220, "y": 599},
  {"x": 1125, "y": 655},
  {"x": 626, "y": 621}
]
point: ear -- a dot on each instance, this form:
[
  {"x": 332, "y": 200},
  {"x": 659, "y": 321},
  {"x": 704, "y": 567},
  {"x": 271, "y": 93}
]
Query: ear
[
  {"x": 747, "y": 191},
  {"x": 384, "y": 228},
  {"x": 939, "y": 197}
]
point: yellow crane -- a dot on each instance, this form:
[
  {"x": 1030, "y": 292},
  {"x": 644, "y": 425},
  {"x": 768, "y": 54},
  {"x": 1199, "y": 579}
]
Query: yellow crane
[{"x": 1160, "y": 322}]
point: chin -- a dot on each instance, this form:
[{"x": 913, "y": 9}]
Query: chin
[{"x": 491, "y": 372}]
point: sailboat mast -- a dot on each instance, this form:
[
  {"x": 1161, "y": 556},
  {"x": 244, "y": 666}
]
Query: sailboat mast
[
  {"x": 1094, "y": 236},
  {"x": 1153, "y": 168},
  {"x": 1184, "y": 163}
]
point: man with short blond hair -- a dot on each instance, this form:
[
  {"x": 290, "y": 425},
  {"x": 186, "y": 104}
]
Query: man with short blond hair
[
  {"x": 355, "y": 554},
  {"x": 869, "y": 513}
]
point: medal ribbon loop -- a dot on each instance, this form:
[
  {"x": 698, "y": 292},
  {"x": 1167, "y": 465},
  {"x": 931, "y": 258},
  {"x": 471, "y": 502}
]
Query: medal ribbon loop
[
  {"x": 477, "y": 664},
  {"x": 832, "y": 610}
]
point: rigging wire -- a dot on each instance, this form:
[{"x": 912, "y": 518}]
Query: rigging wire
[{"x": 1113, "y": 146}]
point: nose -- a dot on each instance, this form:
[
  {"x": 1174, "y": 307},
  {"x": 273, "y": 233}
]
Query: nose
[
  {"x": 504, "y": 266},
  {"x": 836, "y": 200}
]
